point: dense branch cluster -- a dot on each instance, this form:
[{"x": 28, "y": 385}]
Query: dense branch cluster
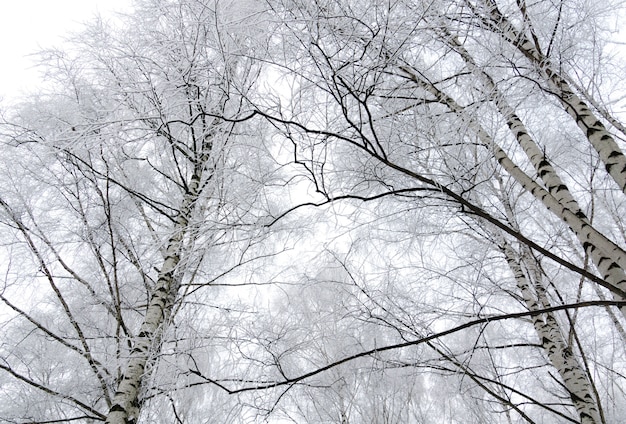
[{"x": 319, "y": 211}]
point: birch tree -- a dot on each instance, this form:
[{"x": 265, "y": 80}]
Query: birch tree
[
  {"x": 129, "y": 189},
  {"x": 444, "y": 104},
  {"x": 444, "y": 181}
]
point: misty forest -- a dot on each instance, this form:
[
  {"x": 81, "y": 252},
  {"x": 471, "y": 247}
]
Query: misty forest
[{"x": 319, "y": 211}]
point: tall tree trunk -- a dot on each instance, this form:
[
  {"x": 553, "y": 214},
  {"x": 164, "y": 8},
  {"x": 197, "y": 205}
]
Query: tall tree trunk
[
  {"x": 595, "y": 131},
  {"x": 127, "y": 400},
  {"x": 575, "y": 379},
  {"x": 609, "y": 258},
  {"x": 600, "y": 251}
]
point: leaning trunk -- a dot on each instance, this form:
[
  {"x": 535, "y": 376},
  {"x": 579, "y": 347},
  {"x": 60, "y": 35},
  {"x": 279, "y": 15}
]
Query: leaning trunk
[
  {"x": 575, "y": 379},
  {"x": 127, "y": 400},
  {"x": 594, "y": 130}
]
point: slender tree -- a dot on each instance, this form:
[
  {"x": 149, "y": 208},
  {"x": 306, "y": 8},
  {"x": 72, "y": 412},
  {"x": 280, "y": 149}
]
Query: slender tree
[
  {"x": 433, "y": 102},
  {"x": 444, "y": 181},
  {"x": 145, "y": 196}
]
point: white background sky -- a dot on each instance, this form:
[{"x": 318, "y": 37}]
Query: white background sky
[{"x": 28, "y": 25}]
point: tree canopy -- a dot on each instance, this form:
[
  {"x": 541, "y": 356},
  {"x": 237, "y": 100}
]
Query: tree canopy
[{"x": 334, "y": 211}]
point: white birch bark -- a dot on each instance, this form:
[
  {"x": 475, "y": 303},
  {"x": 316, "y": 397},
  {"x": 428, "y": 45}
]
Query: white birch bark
[
  {"x": 127, "y": 400},
  {"x": 575, "y": 380},
  {"x": 602, "y": 258},
  {"x": 595, "y": 131},
  {"x": 611, "y": 264}
]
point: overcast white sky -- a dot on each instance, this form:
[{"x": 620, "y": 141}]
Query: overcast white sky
[{"x": 28, "y": 25}]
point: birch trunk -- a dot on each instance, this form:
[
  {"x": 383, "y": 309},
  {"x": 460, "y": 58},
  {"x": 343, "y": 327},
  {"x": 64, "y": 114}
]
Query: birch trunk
[
  {"x": 575, "y": 379},
  {"x": 595, "y": 131},
  {"x": 600, "y": 253},
  {"x": 127, "y": 400},
  {"x": 609, "y": 258}
]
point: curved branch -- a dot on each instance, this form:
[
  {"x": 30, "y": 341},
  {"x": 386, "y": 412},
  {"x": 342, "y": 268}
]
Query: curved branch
[
  {"x": 97, "y": 415},
  {"x": 426, "y": 339},
  {"x": 467, "y": 206}
]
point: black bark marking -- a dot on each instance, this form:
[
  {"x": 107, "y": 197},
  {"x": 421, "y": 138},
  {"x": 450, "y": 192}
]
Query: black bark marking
[{"x": 614, "y": 266}]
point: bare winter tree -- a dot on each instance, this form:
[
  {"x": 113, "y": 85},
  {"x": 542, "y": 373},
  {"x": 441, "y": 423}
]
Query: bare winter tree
[
  {"x": 128, "y": 191},
  {"x": 448, "y": 177},
  {"x": 469, "y": 112}
]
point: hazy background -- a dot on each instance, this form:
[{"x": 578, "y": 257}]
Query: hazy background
[{"x": 26, "y": 26}]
